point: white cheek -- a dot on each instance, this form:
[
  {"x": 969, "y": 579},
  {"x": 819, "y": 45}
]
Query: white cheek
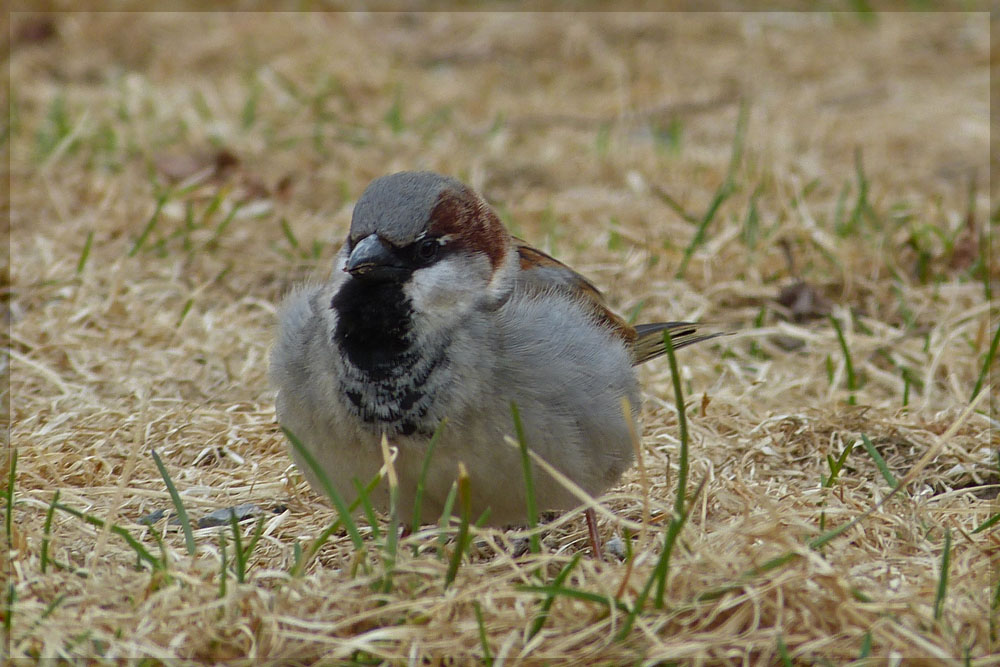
[{"x": 445, "y": 291}]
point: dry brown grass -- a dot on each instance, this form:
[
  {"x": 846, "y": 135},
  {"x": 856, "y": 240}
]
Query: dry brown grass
[{"x": 575, "y": 126}]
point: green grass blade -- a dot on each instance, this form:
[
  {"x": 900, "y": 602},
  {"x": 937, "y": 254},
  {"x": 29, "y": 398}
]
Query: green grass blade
[
  {"x": 861, "y": 205},
  {"x": 52, "y": 606},
  {"x": 163, "y": 551},
  {"x": 184, "y": 312},
  {"x": 445, "y": 519},
  {"x": 674, "y": 205},
  {"x": 483, "y": 518},
  {"x": 942, "y": 587},
  {"x": 786, "y": 659},
  {"x": 9, "y": 616},
  {"x": 773, "y": 564},
  {"x": 368, "y": 509},
  {"x": 557, "y": 583},
  {"x": 390, "y": 550},
  {"x": 47, "y": 530},
  {"x": 85, "y": 253},
  {"x": 838, "y": 465},
  {"x": 663, "y": 566},
  {"x": 150, "y": 224},
  {"x": 465, "y": 501},
  {"x": 223, "y": 565},
  {"x": 987, "y": 364},
  {"x": 682, "y": 464},
  {"x": 848, "y": 363},
  {"x": 487, "y": 656},
  {"x": 221, "y": 229},
  {"x": 331, "y": 493},
  {"x": 238, "y": 553},
  {"x": 673, "y": 533},
  {"x": 576, "y": 594},
  {"x": 659, "y": 574},
  {"x": 906, "y": 387},
  {"x": 724, "y": 191},
  {"x": 289, "y": 234},
  {"x": 258, "y": 532},
  {"x": 178, "y": 505},
  {"x": 317, "y": 544},
  {"x": 213, "y": 206},
  {"x": 986, "y": 524},
  {"x": 995, "y": 604},
  {"x": 296, "y": 557},
  {"x": 721, "y": 195},
  {"x": 529, "y": 483},
  {"x": 866, "y": 646},
  {"x": 394, "y": 116},
  {"x": 879, "y": 462},
  {"x": 418, "y": 496},
  {"x": 141, "y": 551},
  {"x": 8, "y": 519}
]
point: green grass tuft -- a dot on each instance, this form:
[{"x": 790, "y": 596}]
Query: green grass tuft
[
  {"x": 8, "y": 519},
  {"x": 418, "y": 496},
  {"x": 461, "y": 542},
  {"x": 942, "y": 586},
  {"x": 988, "y": 523},
  {"x": 879, "y": 462},
  {"x": 223, "y": 565},
  {"x": 149, "y": 226},
  {"x": 987, "y": 364},
  {"x": 724, "y": 191},
  {"x": 85, "y": 253},
  {"x": 345, "y": 514},
  {"x": 445, "y": 519},
  {"x": 786, "y": 659},
  {"x": 852, "y": 383},
  {"x": 47, "y": 531},
  {"x": 557, "y": 583},
  {"x": 483, "y": 643},
  {"x": 178, "y": 505},
  {"x": 157, "y": 564},
  {"x": 529, "y": 483}
]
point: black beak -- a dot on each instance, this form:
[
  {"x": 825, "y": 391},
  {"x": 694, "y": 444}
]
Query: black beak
[{"x": 374, "y": 260}]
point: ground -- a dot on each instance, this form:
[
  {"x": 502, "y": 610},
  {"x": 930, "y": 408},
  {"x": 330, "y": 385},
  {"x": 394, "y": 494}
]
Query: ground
[{"x": 817, "y": 183}]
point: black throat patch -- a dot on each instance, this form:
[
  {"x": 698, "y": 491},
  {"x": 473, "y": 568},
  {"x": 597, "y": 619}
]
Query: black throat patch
[
  {"x": 385, "y": 379},
  {"x": 373, "y": 325}
]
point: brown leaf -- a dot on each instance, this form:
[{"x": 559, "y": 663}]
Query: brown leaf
[
  {"x": 35, "y": 30},
  {"x": 180, "y": 166},
  {"x": 803, "y": 301}
]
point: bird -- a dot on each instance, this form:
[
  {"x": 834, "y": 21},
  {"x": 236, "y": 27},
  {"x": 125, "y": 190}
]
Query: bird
[{"x": 434, "y": 312}]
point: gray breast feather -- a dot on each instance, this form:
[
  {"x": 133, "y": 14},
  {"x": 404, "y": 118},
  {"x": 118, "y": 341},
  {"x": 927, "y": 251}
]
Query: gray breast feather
[{"x": 568, "y": 378}]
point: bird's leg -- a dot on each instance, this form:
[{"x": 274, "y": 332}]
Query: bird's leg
[{"x": 595, "y": 539}]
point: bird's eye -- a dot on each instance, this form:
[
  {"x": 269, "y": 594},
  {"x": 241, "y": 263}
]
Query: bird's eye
[{"x": 427, "y": 249}]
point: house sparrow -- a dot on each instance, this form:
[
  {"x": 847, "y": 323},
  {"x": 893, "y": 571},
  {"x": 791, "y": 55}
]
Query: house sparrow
[{"x": 434, "y": 310}]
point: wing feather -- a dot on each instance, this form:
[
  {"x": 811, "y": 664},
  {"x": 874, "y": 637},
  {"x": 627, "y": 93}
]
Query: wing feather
[{"x": 541, "y": 272}]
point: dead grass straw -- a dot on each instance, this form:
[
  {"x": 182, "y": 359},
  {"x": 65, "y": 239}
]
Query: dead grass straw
[{"x": 814, "y": 182}]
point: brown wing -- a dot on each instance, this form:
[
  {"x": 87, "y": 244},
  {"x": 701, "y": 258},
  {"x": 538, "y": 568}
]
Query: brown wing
[{"x": 541, "y": 271}]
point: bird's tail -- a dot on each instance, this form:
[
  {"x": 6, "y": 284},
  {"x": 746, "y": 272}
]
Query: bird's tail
[{"x": 651, "y": 343}]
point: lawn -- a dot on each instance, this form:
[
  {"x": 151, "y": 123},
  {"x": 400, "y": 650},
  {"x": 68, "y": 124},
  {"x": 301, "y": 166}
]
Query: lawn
[{"x": 816, "y": 183}]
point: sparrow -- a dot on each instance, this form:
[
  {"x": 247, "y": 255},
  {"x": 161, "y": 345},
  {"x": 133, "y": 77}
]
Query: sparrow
[{"x": 434, "y": 311}]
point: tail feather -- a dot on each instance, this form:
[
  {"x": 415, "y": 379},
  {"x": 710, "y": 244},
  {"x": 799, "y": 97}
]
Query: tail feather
[{"x": 650, "y": 341}]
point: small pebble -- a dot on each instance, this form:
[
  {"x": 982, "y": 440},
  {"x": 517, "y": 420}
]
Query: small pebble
[{"x": 616, "y": 547}]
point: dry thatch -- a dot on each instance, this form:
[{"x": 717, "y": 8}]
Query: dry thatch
[{"x": 173, "y": 174}]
